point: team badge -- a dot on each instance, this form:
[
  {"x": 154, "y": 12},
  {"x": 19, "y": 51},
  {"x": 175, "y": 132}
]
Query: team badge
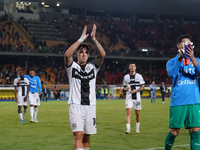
[
  {"x": 34, "y": 79},
  {"x": 74, "y": 125},
  {"x": 87, "y": 68},
  {"x": 191, "y": 64}
]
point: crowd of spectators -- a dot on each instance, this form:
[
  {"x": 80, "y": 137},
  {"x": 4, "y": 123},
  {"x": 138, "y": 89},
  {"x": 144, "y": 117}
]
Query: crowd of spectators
[
  {"x": 160, "y": 36},
  {"x": 48, "y": 69}
]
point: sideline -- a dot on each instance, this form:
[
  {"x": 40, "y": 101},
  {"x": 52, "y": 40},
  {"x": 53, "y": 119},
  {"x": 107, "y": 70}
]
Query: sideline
[{"x": 163, "y": 147}]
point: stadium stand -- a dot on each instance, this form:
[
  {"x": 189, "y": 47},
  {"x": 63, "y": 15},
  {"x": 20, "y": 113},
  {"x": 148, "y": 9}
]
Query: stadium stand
[{"x": 53, "y": 34}]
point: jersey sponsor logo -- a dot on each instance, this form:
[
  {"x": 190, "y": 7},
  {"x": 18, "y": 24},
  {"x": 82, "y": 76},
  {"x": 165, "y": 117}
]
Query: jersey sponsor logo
[
  {"x": 186, "y": 71},
  {"x": 73, "y": 125},
  {"x": 33, "y": 86},
  {"x": 85, "y": 78},
  {"x": 185, "y": 82},
  {"x": 83, "y": 75},
  {"x": 135, "y": 84},
  {"x": 33, "y": 82}
]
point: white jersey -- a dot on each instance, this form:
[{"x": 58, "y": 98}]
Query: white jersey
[
  {"x": 22, "y": 87},
  {"x": 134, "y": 81},
  {"x": 82, "y": 83}
]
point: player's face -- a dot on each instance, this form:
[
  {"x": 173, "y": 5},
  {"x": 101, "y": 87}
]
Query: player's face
[
  {"x": 180, "y": 46},
  {"x": 21, "y": 73},
  {"x": 82, "y": 56},
  {"x": 32, "y": 73},
  {"x": 132, "y": 67}
]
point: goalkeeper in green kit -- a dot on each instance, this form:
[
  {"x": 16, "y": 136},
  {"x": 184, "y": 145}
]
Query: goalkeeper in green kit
[{"x": 185, "y": 98}]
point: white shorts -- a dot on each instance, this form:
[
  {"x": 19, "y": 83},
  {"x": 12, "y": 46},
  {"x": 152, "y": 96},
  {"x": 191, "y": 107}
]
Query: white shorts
[
  {"x": 135, "y": 104},
  {"x": 83, "y": 118},
  {"x": 20, "y": 101},
  {"x": 34, "y": 99}
]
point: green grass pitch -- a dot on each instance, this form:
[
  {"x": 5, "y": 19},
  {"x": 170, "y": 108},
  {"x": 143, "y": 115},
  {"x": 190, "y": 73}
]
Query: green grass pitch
[{"x": 53, "y": 130}]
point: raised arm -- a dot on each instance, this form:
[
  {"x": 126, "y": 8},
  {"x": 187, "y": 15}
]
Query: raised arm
[
  {"x": 173, "y": 66},
  {"x": 190, "y": 53},
  {"x": 99, "y": 59},
  {"x": 70, "y": 51}
]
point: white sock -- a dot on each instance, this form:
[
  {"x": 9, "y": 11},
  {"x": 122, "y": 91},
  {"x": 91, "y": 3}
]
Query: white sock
[
  {"x": 85, "y": 148},
  {"x": 24, "y": 112},
  {"x": 128, "y": 127},
  {"x": 137, "y": 125},
  {"x": 79, "y": 149},
  {"x": 31, "y": 112},
  {"x": 20, "y": 116},
  {"x": 36, "y": 111}
]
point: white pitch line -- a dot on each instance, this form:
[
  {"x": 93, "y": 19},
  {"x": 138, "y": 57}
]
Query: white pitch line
[{"x": 164, "y": 147}]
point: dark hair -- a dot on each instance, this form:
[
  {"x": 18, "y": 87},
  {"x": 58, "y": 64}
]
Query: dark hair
[
  {"x": 132, "y": 63},
  {"x": 22, "y": 70},
  {"x": 32, "y": 69},
  {"x": 81, "y": 46},
  {"x": 180, "y": 38}
]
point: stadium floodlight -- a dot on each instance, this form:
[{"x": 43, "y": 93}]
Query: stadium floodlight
[
  {"x": 145, "y": 50},
  {"x": 57, "y": 5},
  {"x": 42, "y": 3},
  {"x": 29, "y": 3}
]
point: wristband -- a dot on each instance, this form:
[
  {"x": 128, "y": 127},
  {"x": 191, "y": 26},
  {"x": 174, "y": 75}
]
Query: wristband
[{"x": 82, "y": 38}]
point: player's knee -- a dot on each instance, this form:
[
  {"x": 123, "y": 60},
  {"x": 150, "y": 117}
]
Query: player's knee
[
  {"x": 128, "y": 113},
  {"x": 175, "y": 132},
  {"x": 25, "y": 107},
  {"x": 137, "y": 113},
  {"x": 86, "y": 136},
  {"x": 78, "y": 136},
  {"x": 19, "y": 109}
]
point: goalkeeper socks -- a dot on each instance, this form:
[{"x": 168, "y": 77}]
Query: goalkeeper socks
[
  {"x": 86, "y": 148},
  {"x": 194, "y": 140},
  {"x": 169, "y": 141}
]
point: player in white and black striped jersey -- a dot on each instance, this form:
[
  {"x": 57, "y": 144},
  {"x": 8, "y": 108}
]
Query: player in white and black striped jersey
[
  {"x": 22, "y": 95},
  {"x": 82, "y": 82},
  {"x": 133, "y": 84}
]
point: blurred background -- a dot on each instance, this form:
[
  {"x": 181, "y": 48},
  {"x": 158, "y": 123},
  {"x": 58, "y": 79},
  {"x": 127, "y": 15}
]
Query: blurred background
[{"x": 37, "y": 33}]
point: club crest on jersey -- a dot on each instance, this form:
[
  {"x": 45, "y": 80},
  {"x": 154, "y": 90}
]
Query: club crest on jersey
[
  {"x": 34, "y": 79},
  {"x": 191, "y": 64},
  {"x": 87, "y": 68},
  {"x": 74, "y": 125}
]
